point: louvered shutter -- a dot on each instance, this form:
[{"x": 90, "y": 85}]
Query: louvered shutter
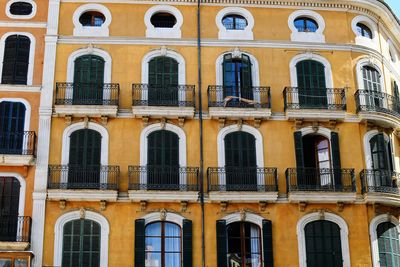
[
  {"x": 222, "y": 249},
  {"x": 187, "y": 243},
  {"x": 140, "y": 243},
  {"x": 16, "y": 60},
  {"x": 383, "y": 160},
  {"x": 245, "y": 78},
  {"x": 298, "y": 144},
  {"x": 22, "y": 60},
  {"x": 336, "y": 159},
  {"x": 229, "y": 76},
  {"x": 267, "y": 243}
]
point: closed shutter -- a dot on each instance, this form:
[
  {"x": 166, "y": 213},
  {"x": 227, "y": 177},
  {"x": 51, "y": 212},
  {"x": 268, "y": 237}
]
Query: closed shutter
[
  {"x": 222, "y": 248},
  {"x": 245, "y": 78},
  {"x": 140, "y": 243},
  {"x": 187, "y": 243},
  {"x": 388, "y": 244},
  {"x": 267, "y": 243},
  {"x": 16, "y": 60},
  {"x": 336, "y": 159}
]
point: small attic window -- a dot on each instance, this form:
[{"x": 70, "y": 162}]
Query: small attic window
[
  {"x": 163, "y": 20},
  {"x": 92, "y": 19},
  {"x": 21, "y": 9}
]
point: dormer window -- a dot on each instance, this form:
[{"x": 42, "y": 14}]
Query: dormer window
[
  {"x": 364, "y": 30},
  {"x": 21, "y": 9},
  {"x": 92, "y": 19},
  {"x": 234, "y": 22},
  {"x": 163, "y": 20},
  {"x": 304, "y": 24}
]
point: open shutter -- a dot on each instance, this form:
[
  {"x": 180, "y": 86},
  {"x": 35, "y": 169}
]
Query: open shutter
[
  {"x": 267, "y": 243},
  {"x": 140, "y": 253},
  {"x": 246, "y": 82},
  {"x": 187, "y": 243},
  {"x": 383, "y": 158},
  {"x": 336, "y": 158},
  {"x": 298, "y": 144},
  {"x": 222, "y": 249}
]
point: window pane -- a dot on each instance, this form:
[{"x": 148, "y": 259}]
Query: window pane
[
  {"x": 5, "y": 263},
  {"x": 153, "y": 259},
  {"x": 172, "y": 260}
]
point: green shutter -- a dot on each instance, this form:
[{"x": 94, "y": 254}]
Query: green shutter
[
  {"x": 267, "y": 243},
  {"x": 222, "y": 249},
  {"x": 16, "y": 60},
  {"x": 245, "y": 78},
  {"x": 140, "y": 254},
  {"x": 383, "y": 157},
  {"x": 298, "y": 144},
  {"x": 187, "y": 243},
  {"x": 336, "y": 158},
  {"x": 388, "y": 244}
]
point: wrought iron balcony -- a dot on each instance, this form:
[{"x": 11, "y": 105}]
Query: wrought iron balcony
[
  {"x": 380, "y": 181},
  {"x": 15, "y": 228},
  {"x": 160, "y": 95},
  {"x": 22, "y": 143},
  {"x": 235, "y": 97},
  {"x": 373, "y": 101},
  {"x": 242, "y": 179},
  {"x": 83, "y": 177},
  {"x": 314, "y": 98},
  {"x": 163, "y": 178},
  {"x": 326, "y": 180},
  {"x": 102, "y": 94}
]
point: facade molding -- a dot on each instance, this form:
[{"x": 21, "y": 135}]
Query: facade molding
[
  {"x": 225, "y": 34},
  {"x": 169, "y": 217},
  {"x": 28, "y": 109},
  {"x": 156, "y": 32},
  {"x": 238, "y": 217},
  {"x": 12, "y": 16},
  {"x": 81, "y": 30},
  {"x": 22, "y": 190},
  {"x": 315, "y": 37}
]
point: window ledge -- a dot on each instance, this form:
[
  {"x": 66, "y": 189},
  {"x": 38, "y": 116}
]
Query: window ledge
[
  {"x": 364, "y": 41},
  {"x": 19, "y": 88},
  {"x": 91, "y": 31},
  {"x": 308, "y": 37},
  {"x": 82, "y": 194},
  {"x": 239, "y": 113},
  {"x": 160, "y": 111},
  {"x": 243, "y": 196},
  {"x": 16, "y": 160},
  {"x": 322, "y": 197},
  {"x": 224, "y": 34},
  {"x": 163, "y": 33},
  {"x": 161, "y": 196},
  {"x": 86, "y": 110}
]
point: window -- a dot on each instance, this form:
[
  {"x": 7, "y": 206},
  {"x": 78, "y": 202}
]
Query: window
[
  {"x": 163, "y": 244},
  {"x": 163, "y": 20},
  {"x": 12, "y": 123},
  {"x": 21, "y": 8},
  {"x": 364, "y": 30},
  {"x": 389, "y": 244},
  {"x": 304, "y": 24},
  {"x": 371, "y": 78},
  {"x": 16, "y": 60},
  {"x": 391, "y": 55},
  {"x": 234, "y": 22},
  {"x": 92, "y": 19},
  {"x": 9, "y": 207},
  {"x": 81, "y": 244}
]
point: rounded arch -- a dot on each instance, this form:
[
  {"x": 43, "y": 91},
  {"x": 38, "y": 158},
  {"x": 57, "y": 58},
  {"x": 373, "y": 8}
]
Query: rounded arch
[
  {"x": 79, "y": 126},
  {"x": 81, "y": 30},
  {"x": 163, "y": 52},
  {"x": 235, "y": 128},
  {"x": 374, "y": 235},
  {"x": 370, "y": 62},
  {"x": 316, "y": 216},
  {"x": 238, "y": 217},
  {"x": 22, "y": 190},
  {"x": 89, "y": 51},
  {"x": 245, "y": 34},
  {"x": 31, "y": 15},
  {"x": 321, "y": 131},
  {"x": 28, "y": 110},
  {"x": 255, "y": 71},
  {"x": 309, "y": 56},
  {"x": 156, "y": 127},
  {"x": 153, "y": 32},
  {"x": 29, "y": 78},
  {"x": 75, "y": 215},
  {"x": 169, "y": 217},
  {"x": 317, "y": 36},
  {"x": 367, "y": 149}
]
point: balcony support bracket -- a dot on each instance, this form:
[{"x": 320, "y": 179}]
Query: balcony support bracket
[
  {"x": 221, "y": 122},
  {"x": 145, "y": 121},
  {"x": 68, "y": 119},
  {"x": 103, "y": 205},
  {"x": 184, "y": 205},
  {"x": 257, "y": 123},
  {"x": 298, "y": 124},
  {"x": 240, "y": 124},
  {"x": 143, "y": 205},
  {"x": 263, "y": 205},
  {"x": 224, "y": 206},
  {"x": 302, "y": 206},
  {"x": 181, "y": 121},
  {"x": 340, "y": 206},
  {"x": 332, "y": 124},
  {"x": 104, "y": 120},
  {"x": 62, "y": 204}
]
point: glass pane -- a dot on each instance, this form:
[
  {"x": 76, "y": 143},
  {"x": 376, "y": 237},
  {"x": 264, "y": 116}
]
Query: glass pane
[
  {"x": 5, "y": 263},
  {"x": 172, "y": 230},
  {"x": 172, "y": 260},
  {"x": 172, "y": 244},
  {"x": 153, "y": 244},
  {"x": 153, "y": 259}
]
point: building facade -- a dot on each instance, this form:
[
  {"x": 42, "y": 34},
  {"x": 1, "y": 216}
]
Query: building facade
[{"x": 218, "y": 133}]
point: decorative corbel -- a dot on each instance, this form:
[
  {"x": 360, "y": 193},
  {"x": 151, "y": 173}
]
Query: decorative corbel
[
  {"x": 376, "y": 207},
  {"x": 82, "y": 213},
  {"x": 62, "y": 204},
  {"x": 145, "y": 121},
  {"x": 263, "y": 205},
  {"x": 257, "y": 122},
  {"x": 236, "y": 53},
  {"x": 298, "y": 123},
  {"x": 240, "y": 124},
  {"x": 68, "y": 119},
  {"x": 321, "y": 214},
  {"x": 340, "y": 206},
  {"x": 224, "y": 205},
  {"x": 332, "y": 124},
  {"x": 163, "y": 50},
  {"x": 221, "y": 122},
  {"x": 163, "y": 215},
  {"x": 86, "y": 122},
  {"x": 181, "y": 121},
  {"x": 184, "y": 205},
  {"x": 163, "y": 123},
  {"x": 104, "y": 120},
  {"x": 103, "y": 205},
  {"x": 243, "y": 215},
  {"x": 302, "y": 206},
  {"x": 315, "y": 126},
  {"x": 143, "y": 205}
]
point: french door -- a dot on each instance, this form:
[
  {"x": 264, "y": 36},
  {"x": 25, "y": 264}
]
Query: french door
[
  {"x": 12, "y": 122},
  {"x": 372, "y": 84},
  {"x": 9, "y": 204}
]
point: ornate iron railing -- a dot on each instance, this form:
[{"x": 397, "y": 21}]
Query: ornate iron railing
[
  {"x": 83, "y": 177},
  {"x": 381, "y": 181},
  {"x": 242, "y": 179},
  {"x": 163, "y": 178},
  {"x": 239, "y": 97},
  {"x": 15, "y": 228},
  {"x": 160, "y": 95},
  {"x": 314, "y": 179},
  {"x": 377, "y": 102},
  {"x": 314, "y": 98},
  {"x": 104, "y": 94},
  {"x": 22, "y": 143}
]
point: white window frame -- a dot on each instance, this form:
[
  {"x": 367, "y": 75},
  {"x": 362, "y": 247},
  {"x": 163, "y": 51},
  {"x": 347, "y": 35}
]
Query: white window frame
[
  {"x": 367, "y": 148},
  {"x": 311, "y": 37},
  {"x": 75, "y": 215},
  {"x": 28, "y": 109},
  {"x": 29, "y": 74},
  {"x": 169, "y": 217},
  {"x": 81, "y": 30},
  {"x": 315, "y": 216},
  {"x": 374, "y": 235},
  {"x": 22, "y": 190},
  {"x": 12, "y": 16},
  {"x": 245, "y": 34},
  {"x": 365, "y": 41},
  {"x": 156, "y": 32},
  {"x": 359, "y": 72}
]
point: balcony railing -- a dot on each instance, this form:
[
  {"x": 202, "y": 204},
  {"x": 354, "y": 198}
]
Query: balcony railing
[
  {"x": 380, "y": 181},
  {"x": 242, "y": 179},
  {"x": 235, "y": 97},
  {"x": 160, "y": 95},
  {"x": 83, "y": 177},
  {"x": 15, "y": 228},
  {"x": 377, "y": 102},
  {"x": 22, "y": 143},
  {"x": 314, "y": 98},
  {"x": 312, "y": 179},
  {"x": 103, "y": 94},
  {"x": 163, "y": 178}
]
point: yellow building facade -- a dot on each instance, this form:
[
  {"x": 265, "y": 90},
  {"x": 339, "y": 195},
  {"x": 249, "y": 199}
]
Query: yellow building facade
[{"x": 258, "y": 133}]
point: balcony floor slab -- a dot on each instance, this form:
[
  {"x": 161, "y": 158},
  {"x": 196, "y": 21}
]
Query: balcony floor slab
[
  {"x": 16, "y": 160},
  {"x": 162, "y": 195},
  {"x": 82, "y": 194},
  {"x": 239, "y": 113},
  {"x": 86, "y": 110},
  {"x": 322, "y": 197},
  {"x": 162, "y": 112},
  {"x": 241, "y": 196},
  {"x": 319, "y": 114}
]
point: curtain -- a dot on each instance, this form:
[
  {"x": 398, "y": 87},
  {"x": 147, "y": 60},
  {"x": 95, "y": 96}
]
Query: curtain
[{"x": 255, "y": 246}]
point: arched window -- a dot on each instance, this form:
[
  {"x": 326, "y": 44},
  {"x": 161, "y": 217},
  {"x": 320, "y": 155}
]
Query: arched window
[
  {"x": 311, "y": 83},
  {"x": 84, "y": 159},
  {"x": 12, "y": 123},
  {"x": 9, "y": 208},
  {"x": 389, "y": 244},
  {"x": 21, "y": 8},
  {"x": 81, "y": 243},
  {"x": 363, "y": 30},
  {"x": 163, "y": 20},
  {"x": 163, "y": 82},
  {"x": 234, "y": 22},
  {"x": 163, "y": 241},
  {"x": 323, "y": 244},
  {"x": 92, "y": 19},
  {"x": 305, "y": 24},
  {"x": 88, "y": 84},
  {"x": 371, "y": 78},
  {"x": 163, "y": 160},
  {"x": 16, "y": 60},
  {"x": 240, "y": 161}
]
